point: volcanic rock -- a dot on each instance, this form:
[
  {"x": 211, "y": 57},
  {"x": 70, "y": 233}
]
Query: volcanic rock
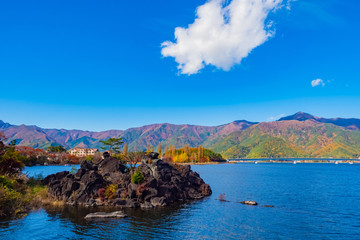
[{"x": 109, "y": 183}]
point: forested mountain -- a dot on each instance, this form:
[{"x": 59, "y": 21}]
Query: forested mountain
[
  {"x": 291, "y": 138},
  {"x": 176, "y": 135},
  {"x": 298, "y": 135}
]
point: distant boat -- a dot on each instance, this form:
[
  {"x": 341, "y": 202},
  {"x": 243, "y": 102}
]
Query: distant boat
[
  {"x": 351, "y": 162},
  {"x": 256, "y": 162},
  {"x": 336, "y": 162},
  {"x": 294, "y": 162}
]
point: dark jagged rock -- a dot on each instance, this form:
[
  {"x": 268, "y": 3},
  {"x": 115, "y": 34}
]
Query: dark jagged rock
[{"x": 109, "y": 183}]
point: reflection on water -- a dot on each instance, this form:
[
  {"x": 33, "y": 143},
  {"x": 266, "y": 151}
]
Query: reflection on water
[{"x": 312, "y": 201}]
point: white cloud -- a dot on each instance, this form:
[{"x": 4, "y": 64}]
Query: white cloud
[
  {"x": 317, "y": 82},
  {"x": 221, "y": 35}
]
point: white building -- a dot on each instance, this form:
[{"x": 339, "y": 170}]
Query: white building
[{"x": 83, "y": 152}]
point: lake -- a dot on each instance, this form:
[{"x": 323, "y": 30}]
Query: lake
[{"x": 311, "y": 201}]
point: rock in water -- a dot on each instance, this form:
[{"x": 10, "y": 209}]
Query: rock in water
[
  {"x": 249, "y": 203},
  {"x": 117, "y": 214},
  {"x": 109, "y": 183}
]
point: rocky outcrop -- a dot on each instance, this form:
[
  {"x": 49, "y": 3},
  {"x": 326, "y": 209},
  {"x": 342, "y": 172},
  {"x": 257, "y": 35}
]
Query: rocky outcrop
[{"x": 110, "y": 183}]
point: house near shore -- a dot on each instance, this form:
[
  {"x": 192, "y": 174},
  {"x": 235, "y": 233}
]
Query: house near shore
[{"x": 83, "y": 152}]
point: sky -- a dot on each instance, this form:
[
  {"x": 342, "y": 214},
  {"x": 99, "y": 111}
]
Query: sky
[{"x": 95, "y": 65}]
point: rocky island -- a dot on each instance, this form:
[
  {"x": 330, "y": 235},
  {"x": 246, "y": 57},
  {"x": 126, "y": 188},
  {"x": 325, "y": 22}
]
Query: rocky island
[{"x": 111, "y": 183}]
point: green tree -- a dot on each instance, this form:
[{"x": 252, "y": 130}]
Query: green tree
[
  {"x": 56, "y": 149},
  {"x": 13, "y": 143},
  {"x": 112, "y": 144}
]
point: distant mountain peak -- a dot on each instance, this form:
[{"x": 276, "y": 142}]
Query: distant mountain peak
[
  {"x": 4, "y": 124},
  {"x": 300, "y": 116},
  {"x": 245, "y": 121},
  {"x": 349, "y": 123}
]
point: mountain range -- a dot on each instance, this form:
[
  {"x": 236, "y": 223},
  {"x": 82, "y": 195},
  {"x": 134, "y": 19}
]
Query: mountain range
[{"x": 298, "y": 135}]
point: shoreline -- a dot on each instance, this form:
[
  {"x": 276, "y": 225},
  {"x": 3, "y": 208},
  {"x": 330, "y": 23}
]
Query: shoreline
[{"x": 249, "y": 161}]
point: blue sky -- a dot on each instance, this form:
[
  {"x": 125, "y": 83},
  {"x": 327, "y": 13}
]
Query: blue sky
[{"x": 98, "y": 65}]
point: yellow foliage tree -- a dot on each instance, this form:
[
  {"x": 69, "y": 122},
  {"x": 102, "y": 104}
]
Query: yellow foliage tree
[{"x": 181, "y": 158}]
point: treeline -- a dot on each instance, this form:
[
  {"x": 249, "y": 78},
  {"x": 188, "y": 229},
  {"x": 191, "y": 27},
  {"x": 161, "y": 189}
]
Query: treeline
[
  {"x": 188, "y": 154},
  {"x": 52, "y": 156},
  {"x": 29, "y": 156},
  {"x": 18, "y": 193}
]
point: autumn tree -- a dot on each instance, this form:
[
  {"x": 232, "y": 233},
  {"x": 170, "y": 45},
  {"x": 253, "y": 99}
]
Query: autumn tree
[
  {"x": 125, "y": 150},
  {"x": 148, "y": 150},
  {"x": 166, "y": 153},
  {"x": 199, "y": 153},
  {"x": 173, "y": 151},
  {"x": 11, "y": 161},
  {"x": 187, "y": 149},
  {"x": 159, "y": 149}
]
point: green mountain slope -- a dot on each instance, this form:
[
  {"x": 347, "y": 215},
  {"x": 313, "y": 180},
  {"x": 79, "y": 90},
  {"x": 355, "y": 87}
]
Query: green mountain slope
[{"x": 291, "y": 139}]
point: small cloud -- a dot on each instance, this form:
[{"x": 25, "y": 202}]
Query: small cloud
[
  {"x": 274, "y": 118},
  {"x": 288, "y": 4},
  {"x": 222, "y": 34},
  {"x": 317, "y": 82}
]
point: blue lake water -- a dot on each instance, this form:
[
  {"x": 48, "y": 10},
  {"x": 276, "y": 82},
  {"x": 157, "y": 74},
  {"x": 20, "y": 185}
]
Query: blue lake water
[{"x": 312, "y": 201}]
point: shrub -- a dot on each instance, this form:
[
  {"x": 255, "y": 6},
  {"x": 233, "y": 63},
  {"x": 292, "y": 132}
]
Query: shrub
[
  {"x": 137, "y": 177},
  {"x": 6, "y": 182},
  {"x": 101, "y": 193},
  {"x": 10, "y": 202},
  {"x": 140, "y": 189},
  {"x": 110, "y": 191},
  {"x": 11, "y": 162}
]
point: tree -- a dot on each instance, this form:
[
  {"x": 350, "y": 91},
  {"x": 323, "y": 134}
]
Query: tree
[
  {"x": 159, "y": 149},
  {"x": 166, "y": 153},
  {"x": 112, "y": 144},
  {"x": 11, "y": 162},
  {"x": 199, "y": 153},
  {"x": 56, "y": 149},
  {"x": 125, "y": 150},
  {"x": 13, "y": 142},
  {"x": 133, "y": 158},
  {"x": 173, "y": 151},
  {"x": 187, "y": 149}
]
